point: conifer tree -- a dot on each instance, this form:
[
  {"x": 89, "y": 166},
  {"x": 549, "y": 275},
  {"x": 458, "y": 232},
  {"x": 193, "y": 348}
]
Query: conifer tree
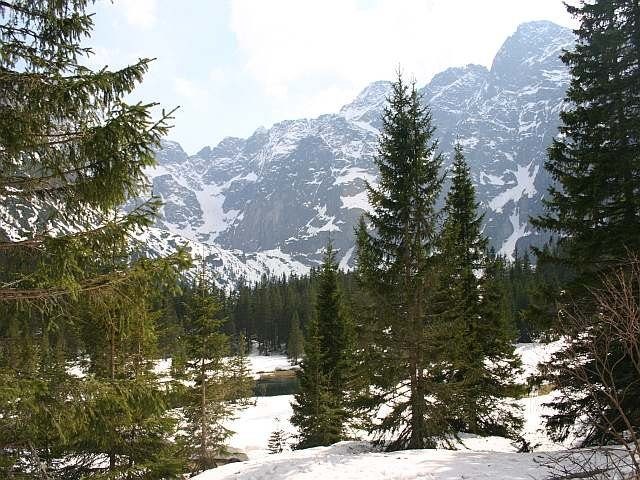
[
  {"x": 334, "y": 325},
  {"x": 240, "y": 371},
  {"x": 596, "y": 161},
  {"x": 72, "y": 151},
  {"x": 295, "y": 345},
  {"x": 207, "y": 405},
  {"x": 277, "y": 439},
  {"x": 395, "y": 266},
  {"x": 320, "y": 408},
  {"x": 593, "y": 206},
  {"x": 314, "y": 406},
  {"x": 475, "y": 338}
]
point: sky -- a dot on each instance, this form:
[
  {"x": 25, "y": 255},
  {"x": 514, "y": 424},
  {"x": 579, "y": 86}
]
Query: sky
[{"x": 235, "y": 65}]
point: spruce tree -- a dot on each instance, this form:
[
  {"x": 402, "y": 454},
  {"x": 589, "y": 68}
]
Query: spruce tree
[
  {"x": 395, "y": 264},
  {"x": 320, "y": 408},
  {"x": 334, "y": 325},
  {"x": 207, "y": 402},
  {"x": 314, "y": 406},
  {"x": 593, "y": 206},
  {"x": 595, "y": 162},
  {"x": 240, "y": 372},
  {"x": 295, "y": 345},
  {"x": 470, "y": 318},
  {"x": 72, "y": 151},
  {"x": 277, "y": 439}
]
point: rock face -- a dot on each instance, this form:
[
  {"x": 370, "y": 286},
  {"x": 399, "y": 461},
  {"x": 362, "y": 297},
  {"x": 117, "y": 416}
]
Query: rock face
[{"x": 292, "y": 186}]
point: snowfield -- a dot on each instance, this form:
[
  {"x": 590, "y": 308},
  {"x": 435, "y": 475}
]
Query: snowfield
[
  {"x": 477, "y": 457},
  {"x": 357, "y": 461}
]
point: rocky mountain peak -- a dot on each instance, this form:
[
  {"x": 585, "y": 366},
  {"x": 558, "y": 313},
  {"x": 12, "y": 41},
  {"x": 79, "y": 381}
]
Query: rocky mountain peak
[
  {"x": 370, "y": 100},
  {"x": 170, "y": 153},
  {"x": 284, "y": 189},
  {"x": 533, "y": 44}
]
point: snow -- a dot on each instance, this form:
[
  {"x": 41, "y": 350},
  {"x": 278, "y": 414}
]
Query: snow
[
  {"x": 476, "y": 458},
  {"x": 524, "y": 186},
  {"x": 328, "y": 226},
  {"x": 358, "y": 460},
  {"x": 487, "y": 178},
  {"x": 366, "y": 126},
  {"x": 344, "y": 261},
  {"x": 348, "y": 175},
  {"x": 216, "y": 220},
  {"x": 519, "y": 231},
  {"x": 360, "y": 200},
  {"x": 255, "y": 424},
  {"x": 231, "y": 265},
  {"x": 372, "y": 98},
  {"x": 533, "y": 354},
  {"x": 267, "y": 363},
  {"x": 468, "y": 143}
]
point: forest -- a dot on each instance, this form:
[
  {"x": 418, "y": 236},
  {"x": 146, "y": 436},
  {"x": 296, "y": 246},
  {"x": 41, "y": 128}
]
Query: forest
[{"x": 415, "y": 346}]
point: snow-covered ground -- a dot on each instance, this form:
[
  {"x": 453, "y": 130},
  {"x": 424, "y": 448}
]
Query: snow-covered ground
[
  {"x": 268, "y": 363},
  {"x": 478, "y": 458},
  {"x": 254, "y": 424},
  {"x": 357, "y": 461}
]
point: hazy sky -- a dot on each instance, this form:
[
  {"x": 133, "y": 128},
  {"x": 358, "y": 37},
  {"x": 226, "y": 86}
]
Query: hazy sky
[{"x": 234, "y": 65}]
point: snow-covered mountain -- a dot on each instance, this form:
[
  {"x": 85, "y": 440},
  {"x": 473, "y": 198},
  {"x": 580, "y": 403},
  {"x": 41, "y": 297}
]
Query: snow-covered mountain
[
  {"x": 287, "y": 188},
  {"x": 228, "y": 267},
  {"x": 267, "y": 204}
]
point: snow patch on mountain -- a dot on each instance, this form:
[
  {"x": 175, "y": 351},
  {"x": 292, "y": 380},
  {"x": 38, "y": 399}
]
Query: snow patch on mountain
[
  {"x": 518, "y": 231},
  {"x": 229, "y": 267},
  {"x": 525, "y": 185},
  {"x": 349, "y": 175},
  {"x": 359, "y": 201},
  {"x": 371, "y": 99}
]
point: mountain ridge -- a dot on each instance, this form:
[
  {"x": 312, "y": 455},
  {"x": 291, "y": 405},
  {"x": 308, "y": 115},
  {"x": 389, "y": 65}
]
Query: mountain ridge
[{"x": 292, "y": 185}]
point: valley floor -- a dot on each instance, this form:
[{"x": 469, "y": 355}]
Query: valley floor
[{"x": 477, "y": 457}]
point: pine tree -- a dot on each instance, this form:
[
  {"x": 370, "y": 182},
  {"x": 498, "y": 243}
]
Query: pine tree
[
  {"x": 320, "y": 409},
  {"x": 395, "y": 264},
  {"x": 593, "y": 205},
  {"x": 472, "y": 334},
  {"x": 295, "y": 345},
  {"x": 207, "y": 405},
  {"x": 277, "y": 439},
  {"x": 314, "y": 406},
  {"x": 334, "y": 325},
  {"x": 72, "y": 152}
]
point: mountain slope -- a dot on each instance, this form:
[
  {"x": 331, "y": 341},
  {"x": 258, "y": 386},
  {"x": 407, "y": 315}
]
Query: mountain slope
[{"x": 293, "y": 185}]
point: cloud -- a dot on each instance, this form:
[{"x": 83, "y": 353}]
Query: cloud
[
  {"x": 189, "y": 89},
  {"x": 301, "y": 51},
  {"x": 138, "y": 13}
]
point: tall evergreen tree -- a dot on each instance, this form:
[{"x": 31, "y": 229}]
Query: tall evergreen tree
[
  {"x": 474, "y": 339},
  {"x": 594, "y": 204},
  {"x": 72, "y": 151},
  {"x": 395, "y": 265},
  {"x": 320, "y": 408},
  {"x": 596, "y": 161},
  {"x": 334, "y": 325},
  {"x": 295, "y": 345},
  {"x": 314, "y": 406},
  {"x": 208, "y": 402}
]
